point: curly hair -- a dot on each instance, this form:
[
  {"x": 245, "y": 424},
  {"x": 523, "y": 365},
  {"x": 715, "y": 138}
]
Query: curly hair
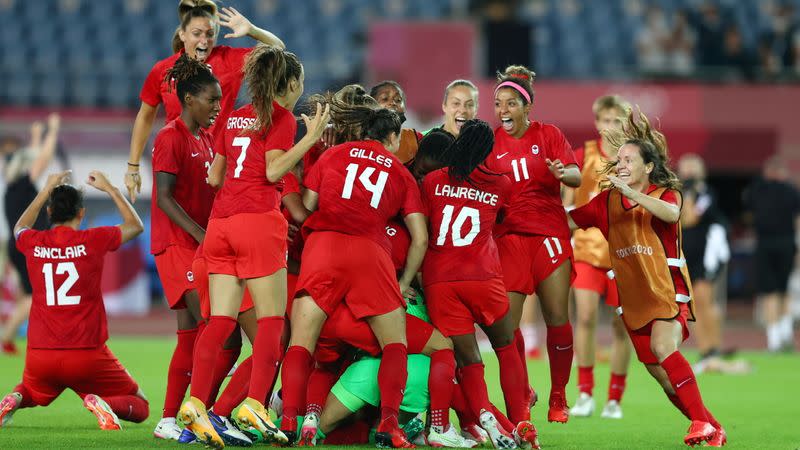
[{"x": 352, "y": 94}]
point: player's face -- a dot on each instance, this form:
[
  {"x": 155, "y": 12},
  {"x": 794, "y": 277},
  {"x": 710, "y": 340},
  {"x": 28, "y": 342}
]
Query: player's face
[
  {"x": 460, "y": 105},
  {"x": 198, "y": 38},
  {"x": 631, "y": 167},
  {"x": 690, "y": 169},
  {"x": 608, "y": 119},
  {"x": 296, "y": 89},
  {"x": 390, "y": 98},
  {"x": 205, "y": 105},
  {"x": 512, "y": 111}
]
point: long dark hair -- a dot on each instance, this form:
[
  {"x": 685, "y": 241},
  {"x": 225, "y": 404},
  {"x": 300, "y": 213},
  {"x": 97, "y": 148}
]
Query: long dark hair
[
  {"x": 470, "y": 149},
  {"x": 190, "y": 77},
  {"x": 66, "y": 202},
  {"x": 268, "y": 71},
  {"x": 373, "y": 122},
  {"x": 352, "y": 94}
]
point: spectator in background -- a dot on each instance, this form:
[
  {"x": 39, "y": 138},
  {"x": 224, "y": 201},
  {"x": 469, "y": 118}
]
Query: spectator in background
[
  {"x": 651, "y": 42},
  {"x": 736, "y": 57},
  {"x": 710, "y": 26},
  {"x": 778, "y": 35},
  {"x": 775, "y": 207},
  {"x": 682, "y": 40}
]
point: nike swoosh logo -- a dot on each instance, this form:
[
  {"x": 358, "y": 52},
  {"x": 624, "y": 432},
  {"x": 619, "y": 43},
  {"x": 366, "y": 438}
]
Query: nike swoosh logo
[
  {"x": 563, "y": 348},
  {"x": 682, "y": 383},
  {"x": 554, "y": 260},
  {"x": 194, "y": 154},
  {"x": 502, "y": 155}
]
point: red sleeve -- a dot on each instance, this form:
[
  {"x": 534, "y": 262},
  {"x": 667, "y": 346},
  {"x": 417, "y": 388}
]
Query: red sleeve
[
  {"x": 412, "y": 202},
  {"x": 593, "y": 214},
  {"x": 167, "y": 152},
  {"x": 25, "y": 239},
  {"x": 561, "y": 148},
  {"x": 106, "y": 239},
  {"x": 219, "y": 143},
  {"x": 579, "y": 155},
  {"x": 281, "y": 134},
  {"x": 290, "y": 185},
  {"x": 151, "y": 90}
]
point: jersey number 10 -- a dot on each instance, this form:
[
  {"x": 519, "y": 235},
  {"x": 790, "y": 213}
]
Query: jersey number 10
[
  {"x": 61, "y": 297},
  {"x": 466, "y": 213}
]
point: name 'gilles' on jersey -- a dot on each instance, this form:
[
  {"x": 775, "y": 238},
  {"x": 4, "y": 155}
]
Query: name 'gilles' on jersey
[
  {"x": 370, "y": 155},
  {"x": 59, "y": 253},
  {"x": 445, "y": 190}
]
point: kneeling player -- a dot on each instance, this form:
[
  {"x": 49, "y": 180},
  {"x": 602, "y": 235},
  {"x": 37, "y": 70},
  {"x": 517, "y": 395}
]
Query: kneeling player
[{"x": 67, "y": 331}]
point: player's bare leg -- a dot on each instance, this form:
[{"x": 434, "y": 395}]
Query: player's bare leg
[{"x": 22, "y": 310}]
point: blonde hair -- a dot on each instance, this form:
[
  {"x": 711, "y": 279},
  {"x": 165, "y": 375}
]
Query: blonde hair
[{"x": 607, "y": 102}]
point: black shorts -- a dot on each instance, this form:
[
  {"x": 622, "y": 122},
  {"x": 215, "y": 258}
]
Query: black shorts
[
  {"x": 18, "y": 261},
  {"x": 774, "y": 260}
]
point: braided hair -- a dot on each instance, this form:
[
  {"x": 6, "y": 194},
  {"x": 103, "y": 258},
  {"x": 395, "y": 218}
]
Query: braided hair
[
  {"x": 189, "y": 76},
  {"x": 469, "y": 150},
  {"x": 352, "y": 94}
]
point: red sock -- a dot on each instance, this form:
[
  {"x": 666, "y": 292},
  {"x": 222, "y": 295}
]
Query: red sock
[
  {"x": 179, "y": 373},
  {"x": 225, "y": 362},
  {"x": 559, "y": 352},
  {"x": 712, "y": 420},
  {"x": 392, "y": 377},
  {"x": 236, "y": 390},
  {"x": 461, "y": 405},
  {"x": 27, "y": 398},
  {"x": 320, "y": 383},
  {"x": 515, "y": 390},
  {"x": 207, "y": 353},
  {"x": 294, "y": 378},
  {"x": 474, "y": 383},
  {"x": 129, "y": 407},
  {"x": 440, "y": 386},
  {"x": 519, "y": 342},
  {"x": 586, "y": 379},
  {"x": 616, "y": 386},
  {"x": 683, "y": 381},
  {"x": 677, "y": 402},
  {"x": 502, "y": 419},
  {"x": 267, "y": 353}
]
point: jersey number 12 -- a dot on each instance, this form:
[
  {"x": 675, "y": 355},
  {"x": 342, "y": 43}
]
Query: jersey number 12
[{"x": 61, "y": 297}]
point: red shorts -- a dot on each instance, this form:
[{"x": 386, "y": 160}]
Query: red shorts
[
  {"x": 641, "y": 337},
  {"x": 200, "y": 272},
  {"x": 86, "y": 371},
  {"x": 174, "y": 267},
  {"x": 456, "y": 306},
  {"x": 246, "y": 245},
  {"x": 343, "y": 331},
  {"x": 595, "y": 279},
  {"x": 338, "y": 267},
  {"x": 529, "y": 260}
]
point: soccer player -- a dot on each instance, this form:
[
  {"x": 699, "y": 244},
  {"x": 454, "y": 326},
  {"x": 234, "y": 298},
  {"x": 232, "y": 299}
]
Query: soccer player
[
  {"x": 533, "y": 239},
  {"x": 640, "y": 217},
  {"x": 460, "y": 104},
  {"x": 67, "y": 333},
  {"x": 246, "y": 241},
  {"x": 391, "y": 96},
  {"x": 181, "y": 199},
  {"x": 23, "y": 168},
  {"x": 462, "y": 201},
  {"x": 198, "y": 35},
  {"x": 354, "y": 189},
  {"x": 592, "y": 263}
]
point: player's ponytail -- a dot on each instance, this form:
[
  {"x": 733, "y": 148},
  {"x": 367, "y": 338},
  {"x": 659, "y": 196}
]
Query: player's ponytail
[
  {"x": 66, "y": 201},
  {"x": 518, "y": 78},
  {"x": 268, "y": 71},
  {"x": 374, "y": 123},
  {"x": 189, "y": 76},
  {"x": 352, "y": 95},
  {"x": 473, "y": 144},
  {"x": 652, "y": 146}
]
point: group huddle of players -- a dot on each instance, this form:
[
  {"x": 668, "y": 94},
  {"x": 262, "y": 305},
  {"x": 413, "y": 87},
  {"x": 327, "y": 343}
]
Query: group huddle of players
[{"x": 358, "y": 259}]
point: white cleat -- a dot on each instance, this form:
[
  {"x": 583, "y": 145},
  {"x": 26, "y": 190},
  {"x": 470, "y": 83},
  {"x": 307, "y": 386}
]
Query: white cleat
[
  {"x": 612, "y": 410},
  {"x": 449, "y": 438},
  {"x": 584, "y": 406},
  {"x": 276, "y": 403},
  {"x": 499, "y": 437},
  {"x": 167, "y": 429},
  {"x": 477, "y": 434}
]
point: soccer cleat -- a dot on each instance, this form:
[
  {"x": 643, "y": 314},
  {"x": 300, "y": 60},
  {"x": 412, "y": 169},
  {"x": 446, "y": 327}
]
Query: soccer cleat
[
  {"x": 187, "y": 437},
  {"x": 699, "y": 431},
  {"x": 308, "y": 434},
  {"x": 719, "y": 439},
  {"x": 499, "y": 437},
  {"x": 583, "y": 407},
  {"x": 559, "y": 411},
  {"x": 105, "y": 416},
  {"x": 10, "y": 348},
  {"x": 526, "y": 436},
  {"x": 448, "y": 438},
  {"x": 253, "y": 414},
  {"x": 167, "y": 429},
  {"x": 228, "y": 432},
  {"x": 8, "y": 406},
  {"x": 612, "y": 410},
  {"x": 391, "y": 437},
  {"x": 533, "y": 397},
  {"x": 413, "y": 430},
  {"x": 195, "y": 418},
  {"x": 276, "y": 403},
  {"x": 475, "y": 433}
]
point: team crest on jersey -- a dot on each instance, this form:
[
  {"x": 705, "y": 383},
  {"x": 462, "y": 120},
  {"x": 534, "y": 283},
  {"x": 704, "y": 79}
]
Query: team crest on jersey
[
  {"x": 190, "y": 276},
  {"x": 535, "y": 149}
]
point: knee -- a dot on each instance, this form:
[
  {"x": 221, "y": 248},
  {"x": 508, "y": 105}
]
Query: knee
[
  {"x": 662, "y": 348},
  {"x": 587, "y": 321},
  {"x": 556, "y": 318}
]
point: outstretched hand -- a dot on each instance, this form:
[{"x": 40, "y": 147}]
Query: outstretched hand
[
  {"x": 236, "y": 21},
  {"x": 316, "y": 126}
]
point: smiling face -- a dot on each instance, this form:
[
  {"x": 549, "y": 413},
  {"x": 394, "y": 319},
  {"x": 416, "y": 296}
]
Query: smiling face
[
  {"x": 204, "y": 107},
  {"x": 631, "y": 167},
  {"x": 390, "y": 98},
  {"x": 512, "y": 111},
  {"x": 460, "y": 105},
  {"x": 198, "y": 37}
]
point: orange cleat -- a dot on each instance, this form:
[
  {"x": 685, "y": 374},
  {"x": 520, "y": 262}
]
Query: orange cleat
[
  {"x": 699, "y": 431},
  {"x": 105, "y": 416},
  {"x": 389, "y": 436},
  {"x": 719, "y": 439},
  {"x": 8, "y": 405},
  {"x": 559, "y": 411},
  {"x": 527, "y": 436}
]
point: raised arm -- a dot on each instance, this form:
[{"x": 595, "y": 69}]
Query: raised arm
[
  {"x": 142, "y": 127},
  {"x": 241, "y": 26},
  {"x": 131, "y": 225},
  {"x": 165, "y": 187},
  {"x": 280, "y": 162},
  {"x": 47, "y": 148},
  {"x": 28, "y": 217}
]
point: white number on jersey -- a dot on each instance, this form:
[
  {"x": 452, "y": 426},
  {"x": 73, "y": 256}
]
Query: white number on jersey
[
  {"x": 243, "y": 142},
  {"x": 61, "y": 297},
  {"x": 458, "y": 239},
  {"x": 553, "y": 252},
  {"x": 520, "y": 165},
  {"x": 375, "y": 188}
]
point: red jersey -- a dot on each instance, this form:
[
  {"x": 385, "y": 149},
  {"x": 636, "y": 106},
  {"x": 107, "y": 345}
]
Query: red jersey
[
  {"x": 361, "y": 186},
  {"x": 535, "y": 207},
  {"x": 462, "y": 216},
  {"x": 225, "y": 63},
  {"x": 595, "y": 214},
  {"x": 179, "y": 152},
  {"x": 66, "y": 267},
  {"x": 400, "y": 239},
  {"x": 246, "y": 188}
]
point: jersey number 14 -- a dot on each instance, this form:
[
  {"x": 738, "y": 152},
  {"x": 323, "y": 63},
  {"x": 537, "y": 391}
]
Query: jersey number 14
[{"x": 376, "y": 188}]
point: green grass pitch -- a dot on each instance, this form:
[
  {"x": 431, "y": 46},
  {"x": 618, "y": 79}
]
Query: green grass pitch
[{"x": 760, "y": 410}]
